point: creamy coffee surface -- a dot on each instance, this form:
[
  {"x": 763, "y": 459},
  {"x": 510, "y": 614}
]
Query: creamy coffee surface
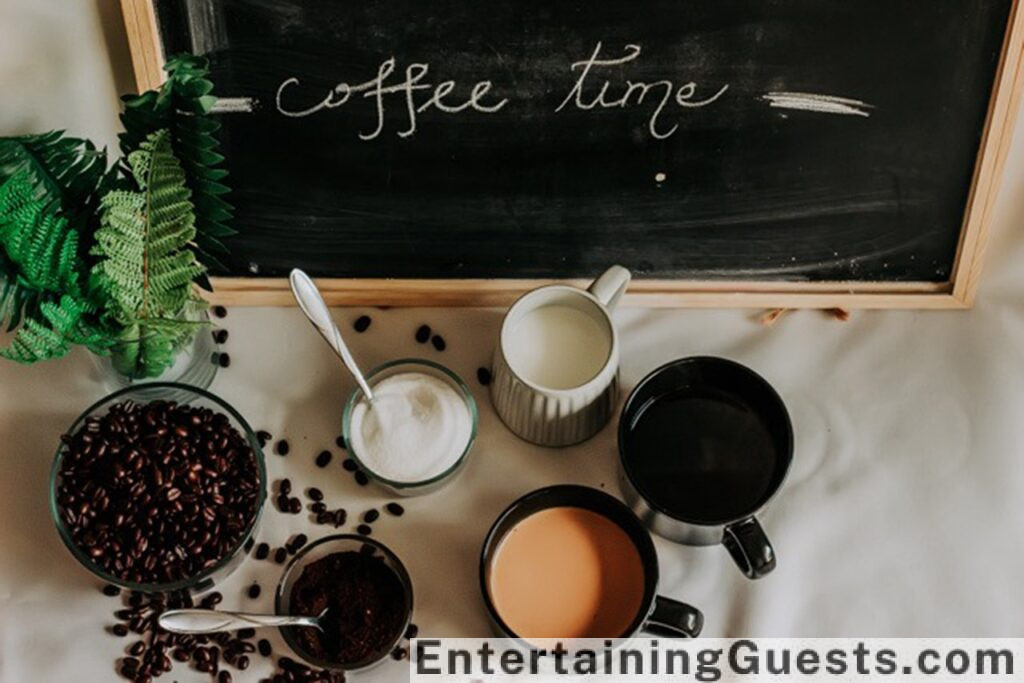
[{"x": 567, "y": 572}]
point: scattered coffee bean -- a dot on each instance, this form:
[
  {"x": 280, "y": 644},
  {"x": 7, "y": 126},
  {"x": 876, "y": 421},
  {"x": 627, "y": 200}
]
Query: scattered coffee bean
[
  {"x": 111, "y": 590},
  {"x": 340, "y": 517},
  {"x": 412, "y": 631},
  {"x": 263, "y": 437},
  {"x": 364, "y": 529},
  {"x": 295, "y": 506},
  {"x": 224, "y": 676},
  {"x": 370, "y": 516},
  {"x": 211, "y": 600},
  {"x": 223, "y": 359},
  {"x": 246, "y": 634},
  {"x": 280, "y": 555},
  {"x": 438, "y": 342},
  {"x": 423, "y": 334},
  {"x": 483, "y": 375},
  {"x": 399, "y": 653},
  {"x": 325, "y": 517},
  {"x": 296, "y": 543},
  {"x": 119, "y": 630},
  {"x": 262, "y": 551},
  {"x": 242, "y": 663},
  {"x": 254, "y": 591},
  {"x": 282, "y": 447},
  {"x": 350, "y": 465},
  {"x": 361, "y": 478},
  {"x": 283, "y": 503},
  {"x": 315, "y": 494},
  {"x": 219, "y": 311},
  {"x": 340, "y": 443},
  {"x": 137, "y": 648},
  {"x": 323, "y": 459},
  {"x": 362, "y": 323},
  {"x": 318, "y": 507},
  {"x": 394, "y": 508},
  {"x": 220, "y": 336},
  {"x": 264, "y": 647},
  {"x": 139, "y": 490},
  {"x": 285, "y": 487}
]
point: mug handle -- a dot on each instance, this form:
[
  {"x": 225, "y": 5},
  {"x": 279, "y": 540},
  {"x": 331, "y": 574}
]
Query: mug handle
[
  {"x": 673, "y": 619},
  {"x": 609, "y": 287},
  {"x": 750, "y": 548}
]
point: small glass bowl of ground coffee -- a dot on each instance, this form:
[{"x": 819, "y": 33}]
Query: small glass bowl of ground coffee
[
  {"x": 158, "y": 495},
  {"x": 367, "y": 595}
]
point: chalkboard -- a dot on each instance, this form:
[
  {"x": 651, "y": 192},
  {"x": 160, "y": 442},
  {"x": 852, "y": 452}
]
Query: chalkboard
[{"x": 780, "y": 146}]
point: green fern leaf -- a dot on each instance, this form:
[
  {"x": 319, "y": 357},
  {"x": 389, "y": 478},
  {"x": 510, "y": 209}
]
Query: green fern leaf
[
  {"x": 146, "y": 264},
  {"x": 50, "y": 335},
  {"x": 182, "y": 106}
]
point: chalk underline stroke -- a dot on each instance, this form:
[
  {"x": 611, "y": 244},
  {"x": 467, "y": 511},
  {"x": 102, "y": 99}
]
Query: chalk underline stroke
[{"x": 822, "y": 104}]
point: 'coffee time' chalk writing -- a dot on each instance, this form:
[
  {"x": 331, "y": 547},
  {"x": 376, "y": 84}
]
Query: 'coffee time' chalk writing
[{"x": 417, "y": 97}]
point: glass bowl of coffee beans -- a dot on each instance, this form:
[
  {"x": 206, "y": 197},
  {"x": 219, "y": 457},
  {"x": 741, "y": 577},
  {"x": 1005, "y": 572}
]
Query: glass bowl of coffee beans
[
  {"x": 363, "y": 593},
  {"x": 158, "y": 495}
]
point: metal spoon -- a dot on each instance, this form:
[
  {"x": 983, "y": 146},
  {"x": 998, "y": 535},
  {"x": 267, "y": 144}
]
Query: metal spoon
[
  {"x": 313, "y": 305},
  {"x": 212, "y": 621}
]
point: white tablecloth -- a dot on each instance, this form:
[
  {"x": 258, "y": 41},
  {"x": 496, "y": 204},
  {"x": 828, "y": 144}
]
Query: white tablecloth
[{"x": 902, "y": 515}]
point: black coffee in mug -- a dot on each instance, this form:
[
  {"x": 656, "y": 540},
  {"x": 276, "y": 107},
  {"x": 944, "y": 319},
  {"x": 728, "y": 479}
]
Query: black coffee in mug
[
  {"x": 704, "y": 443},
  {"x": 702, "y": 453}
]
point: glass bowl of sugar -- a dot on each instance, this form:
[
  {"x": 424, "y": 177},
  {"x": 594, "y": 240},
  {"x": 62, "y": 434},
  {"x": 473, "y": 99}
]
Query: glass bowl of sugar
[{"x": 417, "y": 433}]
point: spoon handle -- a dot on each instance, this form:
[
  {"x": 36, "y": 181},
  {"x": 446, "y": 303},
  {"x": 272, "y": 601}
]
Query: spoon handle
[
  {"x": 313, "y": 305},
  {"x": 211, "y": 621}
]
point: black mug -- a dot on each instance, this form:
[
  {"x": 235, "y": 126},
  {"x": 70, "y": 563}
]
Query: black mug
[
  {"x": 704, "y": 443},
  {"x": 658, "y": 616}
]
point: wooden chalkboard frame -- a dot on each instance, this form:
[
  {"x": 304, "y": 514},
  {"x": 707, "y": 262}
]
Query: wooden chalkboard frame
[{"x": 958, "y": 292}]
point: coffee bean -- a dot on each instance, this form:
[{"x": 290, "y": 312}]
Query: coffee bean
[
  {"x": 119, "y": 630},
  {"x": 280, "y": 555},
  {"x": 140, "y": 487},
  {"x": 111, "y": 590},
  {"x": 245, "y": 634},
  {"x": 220, "y": 336},
  {"x": 242, "y": 663},
  {"x": 219, "y": 311},
  {"x": 324, "y": 517},
  {"x": 438, "y": 342},
  {"x": 254, "y": 591},
  {"x": 483, "y": 375},
  {"x": 370, "y": 516},
  {"x": 362, "y": 323},
  {"x": 361, "y": 478},
  {"x": 340, "y": 443},
  {"x": 396, "y": 509},
  {"x": 263, "y": 437},
  {"x": 318, "y": 507},
  {"x": 283, "y": 503},
  {"x": 262, "y": 551},
  {"x": 137, "y": 648},
  {"x": 296, "y": 543},
  {"x": 350, "y": 465},
  {"x": 295, "y": 506},
  {"x": 315, "y": 494},
  {"x": 364, "y": 529},
  {"x": 399, "y": 653},
  {"x": 411, "y": 631},
  {"x": 223, "y": 359},
  {"x": 224, "y": 676},
  {"x": 211, "y": 600},
  {"x": 340, "y": 517},
  {"x": 423, "y": 334},
  {"x": 324, "y": 459},
  {"x": 285, "y": 487},
  {"x": 264, "y": 647},
  {"x": 282, "y": 447}
]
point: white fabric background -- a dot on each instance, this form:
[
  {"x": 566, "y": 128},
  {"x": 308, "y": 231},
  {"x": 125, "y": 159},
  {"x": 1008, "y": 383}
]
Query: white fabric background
[{"x": 902, "y": 515}]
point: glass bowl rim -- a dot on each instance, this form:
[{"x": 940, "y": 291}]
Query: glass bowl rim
[
  {"x": 180, "y": 584},
  {"x": 400, "y": 571},
  {"x": 466, "y": 395}
]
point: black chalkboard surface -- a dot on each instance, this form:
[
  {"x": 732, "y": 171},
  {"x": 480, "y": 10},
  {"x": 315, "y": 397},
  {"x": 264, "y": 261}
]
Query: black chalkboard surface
[{"x": 804, "y": 141}]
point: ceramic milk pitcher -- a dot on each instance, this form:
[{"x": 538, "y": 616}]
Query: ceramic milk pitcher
[{"x": 556, "y": 365}]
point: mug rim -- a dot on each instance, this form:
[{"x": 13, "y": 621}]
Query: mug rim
[
  {"x": 609, "y": 361},
  {"x": 651, "y": 568},
  {"x": 787, "y": 433}
]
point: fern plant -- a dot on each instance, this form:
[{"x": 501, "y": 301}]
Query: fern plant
[
  {"x": 146, "y": 265},
  {"x": 182, "y": 106}
]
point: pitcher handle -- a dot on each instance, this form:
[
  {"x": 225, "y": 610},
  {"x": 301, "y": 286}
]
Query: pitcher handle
[{"x": 609, "y": 287}]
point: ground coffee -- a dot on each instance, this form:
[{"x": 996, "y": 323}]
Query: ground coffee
[{"x": 365, "y": 602}]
